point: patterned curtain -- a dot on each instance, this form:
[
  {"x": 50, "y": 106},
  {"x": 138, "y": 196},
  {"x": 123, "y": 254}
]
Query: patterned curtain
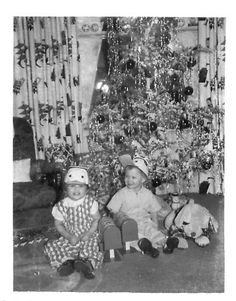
[
  {"x": 46, "y": 80},
  {"x": 211, "y": 44}
]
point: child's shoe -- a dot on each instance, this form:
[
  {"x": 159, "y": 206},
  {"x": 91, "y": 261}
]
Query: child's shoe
[
  {"x": 84, "y": 266},
  {"x": 146, "y": 246},
  {"x": 67, "y": 268},
  {"x": 170, "y": 245}
]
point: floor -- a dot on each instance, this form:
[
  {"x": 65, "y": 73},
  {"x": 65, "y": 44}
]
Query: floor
[{"x": 192, "y": 270}]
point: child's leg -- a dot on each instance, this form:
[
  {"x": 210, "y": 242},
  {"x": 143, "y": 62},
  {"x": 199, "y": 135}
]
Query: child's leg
[
  {"x": 150, "y": 231},
  {"x": 90, "y": 250},
  {"x": 60, "y": 251}
]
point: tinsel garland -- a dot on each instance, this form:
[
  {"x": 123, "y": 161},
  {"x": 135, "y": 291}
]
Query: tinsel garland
[{"x": 31, "y": 237}]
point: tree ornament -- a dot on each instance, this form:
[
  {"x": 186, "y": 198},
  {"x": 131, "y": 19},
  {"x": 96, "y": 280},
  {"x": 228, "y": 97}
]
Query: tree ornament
[
  {"x": 130, "y": 64},
  {"x": 124, "y": 89},
  {"x": 129, "y": 131},
  {"x": 177, "y": 96},
  {"x": 184, "y": 123},
  {"x": 152, "y": 126},
  {"x": 119, "y": 139},
  {"x": 148, "y": 72},
  {"x": 188, "y": 90},
  {"x": 192, "y": 62},
  {"x": 156, "y": 181},
  {"x": 174, "y": 78},
  {"x": 100, "y": 118}
]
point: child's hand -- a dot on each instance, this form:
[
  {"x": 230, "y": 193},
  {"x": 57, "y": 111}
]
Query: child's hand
[{"x": 73, "y": 240}]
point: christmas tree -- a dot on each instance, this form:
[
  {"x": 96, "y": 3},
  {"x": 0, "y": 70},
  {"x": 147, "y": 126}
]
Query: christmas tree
[{"x": 143, "y": 107}]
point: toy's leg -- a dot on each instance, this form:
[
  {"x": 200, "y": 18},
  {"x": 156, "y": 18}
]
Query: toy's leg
[{"x": 170, "y": 245}]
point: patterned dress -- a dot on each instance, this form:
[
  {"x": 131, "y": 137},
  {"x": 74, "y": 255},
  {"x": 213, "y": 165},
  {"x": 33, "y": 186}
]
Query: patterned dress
[{"x": 77, "y": 219}]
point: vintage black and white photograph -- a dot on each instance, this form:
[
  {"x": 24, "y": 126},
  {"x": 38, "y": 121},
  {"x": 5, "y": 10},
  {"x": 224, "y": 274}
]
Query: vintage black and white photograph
[{"x": 118, "y": 153}]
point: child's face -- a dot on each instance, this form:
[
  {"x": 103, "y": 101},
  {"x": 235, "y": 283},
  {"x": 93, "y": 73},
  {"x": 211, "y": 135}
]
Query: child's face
[
  {"x": 76, "y": 191},
  {"x": 133, "y": 178}
]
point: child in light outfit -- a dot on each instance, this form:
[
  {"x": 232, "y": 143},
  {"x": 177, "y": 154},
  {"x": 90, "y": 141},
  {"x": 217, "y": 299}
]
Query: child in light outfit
[
  {"x": 140, "y": 204},
  {"x": 76, "y": 219}
]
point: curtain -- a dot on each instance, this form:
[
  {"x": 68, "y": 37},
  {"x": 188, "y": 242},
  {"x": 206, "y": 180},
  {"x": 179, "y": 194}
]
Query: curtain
[
  {"x": 211, "y": 46},
  {"x": 46, "y": 85}
]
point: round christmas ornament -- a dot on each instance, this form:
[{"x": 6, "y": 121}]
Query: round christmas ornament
[
  {"x": 152, "y": 126},
  {"x": 174, "y": 78},
  {"x": 130, "y": 64},
  {"x": 156, "y": 181},
  {"x": 100, "y": 118},
  {"x": 119, "y": 139},
  {"x": 148, "y": 73},
  {"x": 188, "y": 90}
]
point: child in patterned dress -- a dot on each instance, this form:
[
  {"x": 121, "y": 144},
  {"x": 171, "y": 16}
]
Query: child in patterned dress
[
  {"x": 76, "y": 219},
  {"x": 140, "y": 204}
]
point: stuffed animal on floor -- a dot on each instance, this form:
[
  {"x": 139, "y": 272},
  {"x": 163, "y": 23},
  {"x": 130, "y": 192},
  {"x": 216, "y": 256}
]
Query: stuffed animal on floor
[
  {"x": 176, "y": 202},
  {"x": 191, "y": 221}
]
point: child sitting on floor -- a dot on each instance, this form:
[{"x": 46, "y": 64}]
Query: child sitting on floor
[
  {"x": 141, "y": 204},
  {"x": 76, "y": 219}
]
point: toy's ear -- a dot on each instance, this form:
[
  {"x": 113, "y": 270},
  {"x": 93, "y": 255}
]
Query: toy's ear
[{"x": 183, "y": 216}]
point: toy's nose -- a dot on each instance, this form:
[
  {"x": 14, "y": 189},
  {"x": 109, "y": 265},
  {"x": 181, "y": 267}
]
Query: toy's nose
[{"x": 193, "y": 234}]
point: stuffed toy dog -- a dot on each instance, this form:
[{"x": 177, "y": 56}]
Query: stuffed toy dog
[
  {"x": 191, "y": 221},
  {"x": 176, "y": 202}
]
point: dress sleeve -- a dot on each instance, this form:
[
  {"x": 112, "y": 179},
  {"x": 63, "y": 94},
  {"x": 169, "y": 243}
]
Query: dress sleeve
[
  {"x": 57, "y": 214},
  {"x": 154, "y": 203},
  {"x": 115, "y": 203}
]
